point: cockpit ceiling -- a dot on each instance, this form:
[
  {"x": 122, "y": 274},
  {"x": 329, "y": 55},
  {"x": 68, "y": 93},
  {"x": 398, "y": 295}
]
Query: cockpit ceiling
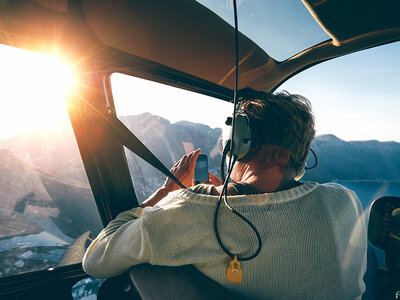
[
  {"x": 57, "y": 5},
  {"x": 346, "y": 20},
  {"x": 189, "y": 37},
  {"x": 186, "y": 36},
  {"x": 183, "y": 35}
]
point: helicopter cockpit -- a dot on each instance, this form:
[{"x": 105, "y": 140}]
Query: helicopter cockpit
[{"x": 85, "y": 82}]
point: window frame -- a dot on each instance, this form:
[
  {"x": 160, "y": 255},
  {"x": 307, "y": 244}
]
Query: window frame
[{"x": 144, "y": 69}]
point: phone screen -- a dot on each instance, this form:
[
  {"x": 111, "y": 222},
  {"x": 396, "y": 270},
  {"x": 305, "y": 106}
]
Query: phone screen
[{"x": 201, "y": 169}]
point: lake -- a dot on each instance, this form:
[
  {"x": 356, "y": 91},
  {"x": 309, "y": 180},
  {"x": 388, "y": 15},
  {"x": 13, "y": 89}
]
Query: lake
[{"x": 367, "y": 191}]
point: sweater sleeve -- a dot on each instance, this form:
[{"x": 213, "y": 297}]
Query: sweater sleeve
[{"x": 122, "y": 244}]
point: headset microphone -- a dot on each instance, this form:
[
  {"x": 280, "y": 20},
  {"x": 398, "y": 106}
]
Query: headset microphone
[
  {"x": 305, "y": 167},
  {"x": 301, "y": 173}
]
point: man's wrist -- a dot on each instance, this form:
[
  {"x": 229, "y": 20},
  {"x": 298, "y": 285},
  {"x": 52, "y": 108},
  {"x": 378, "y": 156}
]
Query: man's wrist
[
  {"x": 162, "y": 192},
  {"x": 156, "y": 197}
]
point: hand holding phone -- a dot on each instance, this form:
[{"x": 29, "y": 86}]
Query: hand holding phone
[{"x": 201, "y": 169}]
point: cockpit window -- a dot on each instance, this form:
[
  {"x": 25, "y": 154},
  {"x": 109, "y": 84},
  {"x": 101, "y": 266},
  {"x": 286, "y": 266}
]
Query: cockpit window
[
  {"x": 170, "y": 122},
  {"x": 47, "y": 210},
  {"x": 280, "y": 28},
  {"x": 356, "y": 105}
]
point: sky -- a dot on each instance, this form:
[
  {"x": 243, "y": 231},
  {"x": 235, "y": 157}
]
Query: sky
[
  {"x": 355, "y": 97},
  {"x": 33, "y": 88},
  {"x": 282, "y": 34},
  {"x": 134, "y": 96}
]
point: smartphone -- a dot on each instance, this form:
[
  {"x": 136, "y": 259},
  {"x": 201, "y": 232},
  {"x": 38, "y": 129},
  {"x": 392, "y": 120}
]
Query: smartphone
[{"x": 201, "y": 169}]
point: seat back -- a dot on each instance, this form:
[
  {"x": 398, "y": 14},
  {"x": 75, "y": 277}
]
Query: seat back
[{"x": 185, "y": 282}]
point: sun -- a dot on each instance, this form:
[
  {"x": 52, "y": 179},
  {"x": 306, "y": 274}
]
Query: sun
[{"x": 33, "y": 90}]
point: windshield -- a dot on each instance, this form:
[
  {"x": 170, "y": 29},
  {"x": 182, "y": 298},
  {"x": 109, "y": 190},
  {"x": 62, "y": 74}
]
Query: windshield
[
  {"x": 170, "y": 122},
  {"x": 47, "y": 210},
  {"x": 356, "y": 105},
  {"x": 281, "y": 28}
]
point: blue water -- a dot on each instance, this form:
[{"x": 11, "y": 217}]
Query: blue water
[{"x": 368, "y": 191}]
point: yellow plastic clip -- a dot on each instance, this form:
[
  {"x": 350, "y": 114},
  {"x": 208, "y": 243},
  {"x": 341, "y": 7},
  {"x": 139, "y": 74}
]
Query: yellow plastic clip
[{"x": 234, "y": 271}]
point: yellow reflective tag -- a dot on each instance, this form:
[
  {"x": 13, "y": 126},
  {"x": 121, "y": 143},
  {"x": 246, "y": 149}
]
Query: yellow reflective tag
[{"x": 234, "y": 271}]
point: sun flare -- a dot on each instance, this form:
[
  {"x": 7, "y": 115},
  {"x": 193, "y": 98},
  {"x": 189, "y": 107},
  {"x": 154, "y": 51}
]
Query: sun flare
[{"x": 33, "y": 90}]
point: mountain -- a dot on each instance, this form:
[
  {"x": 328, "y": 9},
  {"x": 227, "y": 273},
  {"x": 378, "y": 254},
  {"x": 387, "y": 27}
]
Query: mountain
[
  {"x": 42, "y": 176},
  {"x": 52, "y": 150},
  {"x": 354, "y": 160},
  {"x": 337, "y": 159},
  {"x": 46, "y": 201},
  {"x": 18, "y": 182},
  {"x": 169, "y": 142}
]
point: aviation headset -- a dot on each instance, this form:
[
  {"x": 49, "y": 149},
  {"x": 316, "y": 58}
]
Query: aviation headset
[
  {"x": 242, "y": 132},
  {"x": 243, "y": 140},
  {"x": 243, "y": 135}
]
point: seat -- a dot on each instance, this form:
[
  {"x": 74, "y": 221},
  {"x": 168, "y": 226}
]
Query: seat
[
  {"x": 159, "y": 282},
  {"x": 185, "y": 282}
]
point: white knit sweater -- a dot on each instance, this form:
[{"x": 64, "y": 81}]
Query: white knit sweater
[{"x": 314, "y": 241}]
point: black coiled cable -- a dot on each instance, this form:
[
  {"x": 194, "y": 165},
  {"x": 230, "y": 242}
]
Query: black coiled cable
[{"x": 232, "y": 161}]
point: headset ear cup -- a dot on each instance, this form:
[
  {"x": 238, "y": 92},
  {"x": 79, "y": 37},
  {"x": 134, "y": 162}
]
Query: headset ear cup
[{"x": 242, "y": 139}]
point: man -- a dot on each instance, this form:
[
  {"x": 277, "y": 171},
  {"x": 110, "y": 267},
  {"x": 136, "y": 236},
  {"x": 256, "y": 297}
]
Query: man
[{"x": 313, "y": 235}]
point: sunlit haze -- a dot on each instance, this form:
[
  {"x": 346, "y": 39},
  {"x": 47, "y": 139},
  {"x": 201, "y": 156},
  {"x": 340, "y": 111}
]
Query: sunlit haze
[
  {"x": 33, "y": 89},
  {"x": 135, "y": 96}
]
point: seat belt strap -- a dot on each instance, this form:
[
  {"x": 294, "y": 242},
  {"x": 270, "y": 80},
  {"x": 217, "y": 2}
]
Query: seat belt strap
[{"x": 130, "y": 141}]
